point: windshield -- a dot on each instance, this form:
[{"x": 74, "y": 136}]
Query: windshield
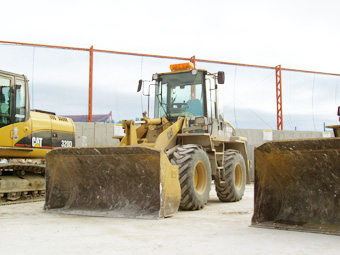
[{"x": 180, "y": 94}]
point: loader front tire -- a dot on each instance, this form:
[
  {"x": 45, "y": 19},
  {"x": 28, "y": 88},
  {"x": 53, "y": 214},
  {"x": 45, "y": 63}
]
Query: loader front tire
[
  {"x": 232, "y": 189},
  {"x": 194, "y": 176}
]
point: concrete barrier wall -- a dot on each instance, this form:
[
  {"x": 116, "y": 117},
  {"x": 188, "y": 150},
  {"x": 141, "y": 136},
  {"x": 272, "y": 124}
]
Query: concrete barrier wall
[
  {"x": 256, "y": 137},
  {"x": 101, "y": 134},
  {"x": 95, "y": 134}
]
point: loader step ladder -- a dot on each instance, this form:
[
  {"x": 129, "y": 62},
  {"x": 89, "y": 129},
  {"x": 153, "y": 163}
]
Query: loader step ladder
[{"x": 218, "y": 149}]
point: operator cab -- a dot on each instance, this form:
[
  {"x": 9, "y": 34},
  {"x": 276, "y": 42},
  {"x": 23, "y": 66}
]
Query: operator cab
[
  {"x": 187, "y": 92},
  {"x": 192, "y": 93},
  {"x": 180, "y": 94},
  {"x": 13, "y": 98}
]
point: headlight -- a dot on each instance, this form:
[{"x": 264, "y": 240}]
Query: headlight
[{"x": 155, "y": 77}]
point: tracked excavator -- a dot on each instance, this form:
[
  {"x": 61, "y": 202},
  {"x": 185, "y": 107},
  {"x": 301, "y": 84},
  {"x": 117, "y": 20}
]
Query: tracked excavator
[
  {"x": 297, "y": 185},
  {"x": 26, "y": 136},
  {"x": 162, "y": 164}
]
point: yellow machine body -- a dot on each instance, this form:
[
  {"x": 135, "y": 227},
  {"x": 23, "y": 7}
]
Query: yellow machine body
[
  {"x": 161, "y": 164},
  {"x": 36, "y": 136}
]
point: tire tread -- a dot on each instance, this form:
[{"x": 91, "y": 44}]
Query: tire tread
[{"x": 183, "y": 157}]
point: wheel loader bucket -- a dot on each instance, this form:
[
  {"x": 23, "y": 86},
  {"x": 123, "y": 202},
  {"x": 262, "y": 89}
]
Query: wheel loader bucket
[
  {"x": 297, "y": 185},
  {"x": 127, "y": 181}
]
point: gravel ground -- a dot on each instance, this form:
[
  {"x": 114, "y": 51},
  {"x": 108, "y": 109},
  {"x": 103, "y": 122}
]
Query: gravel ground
[{"x": 220, "y": 228}]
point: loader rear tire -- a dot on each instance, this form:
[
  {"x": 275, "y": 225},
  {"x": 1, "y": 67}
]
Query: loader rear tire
[
  {"x": 194, "y": 176},
  {"x": 232, "y": 189}
]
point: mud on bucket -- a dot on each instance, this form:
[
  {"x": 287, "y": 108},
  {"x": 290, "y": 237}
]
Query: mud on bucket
[{"x": 129, "y": 181}]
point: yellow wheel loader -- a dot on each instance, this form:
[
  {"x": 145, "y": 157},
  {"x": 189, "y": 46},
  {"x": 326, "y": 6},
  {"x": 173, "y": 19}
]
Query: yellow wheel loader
[
  {"x": 297, "y": 185},
  {"x": 162, "y": 164},
  {"x": 26, "y": 134}
]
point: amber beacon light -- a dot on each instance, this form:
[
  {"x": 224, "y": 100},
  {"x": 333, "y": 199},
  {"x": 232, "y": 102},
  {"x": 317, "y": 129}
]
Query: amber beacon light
[{"x": 182, "y": 66}]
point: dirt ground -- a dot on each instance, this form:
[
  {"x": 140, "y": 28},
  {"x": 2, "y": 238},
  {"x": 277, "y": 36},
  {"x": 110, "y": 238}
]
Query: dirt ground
[{"x": 220, "y": 228}]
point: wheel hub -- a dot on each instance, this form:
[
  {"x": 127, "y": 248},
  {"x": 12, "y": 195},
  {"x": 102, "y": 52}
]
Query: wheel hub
[
  {"x": 238, "y": 177},
  {"x": 200, "y": 177}
]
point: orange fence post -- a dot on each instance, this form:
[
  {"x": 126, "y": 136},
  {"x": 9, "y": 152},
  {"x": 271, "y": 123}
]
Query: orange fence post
[
  {"x": 279, "y": 98},
  {"x": 193, "y": 60},
  {"x": 90, "y": 85}
]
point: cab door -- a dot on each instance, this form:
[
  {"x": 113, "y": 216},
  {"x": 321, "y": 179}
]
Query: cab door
[
  {"x": 15, "y": 126},
  {"x": 6, "y": 82},
  {"x": 5, "y": 99}
]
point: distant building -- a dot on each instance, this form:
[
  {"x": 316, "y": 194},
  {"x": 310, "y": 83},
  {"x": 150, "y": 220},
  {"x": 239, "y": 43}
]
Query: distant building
[{"x": 105, "y": 118}]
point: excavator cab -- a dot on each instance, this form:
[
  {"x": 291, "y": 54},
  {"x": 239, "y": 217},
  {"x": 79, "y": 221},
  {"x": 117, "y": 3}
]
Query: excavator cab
[
  {"x": 26, "y": 134},
  {"x": 31, "y": 132},
  {"x": 13, "y": 98}
]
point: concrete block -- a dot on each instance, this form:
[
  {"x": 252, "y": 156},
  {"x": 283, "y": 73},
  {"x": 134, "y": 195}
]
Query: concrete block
[
  {"x": 88, "y": 131},
  {"x": 81, "y": 141},
  {"x": 110, "y": 132},
  {"x": 100, "y": 135},
  {"x": 79, "y": 128}
]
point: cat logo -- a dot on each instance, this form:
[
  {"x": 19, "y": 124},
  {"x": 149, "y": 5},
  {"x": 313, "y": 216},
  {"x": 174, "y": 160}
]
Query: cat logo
[{"x": 36, "y": 142}]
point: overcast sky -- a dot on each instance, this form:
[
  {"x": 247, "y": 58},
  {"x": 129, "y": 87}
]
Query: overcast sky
[{"x": 300, "y": 34}]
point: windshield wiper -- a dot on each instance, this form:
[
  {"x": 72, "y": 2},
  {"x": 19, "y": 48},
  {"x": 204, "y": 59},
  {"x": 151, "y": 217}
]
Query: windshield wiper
[{"x": 164, "y": 108}]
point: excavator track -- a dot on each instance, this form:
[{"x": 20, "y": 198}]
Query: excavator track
[
  {"x": 21, "y": 183},
  {"x": 38, "y": 199}
]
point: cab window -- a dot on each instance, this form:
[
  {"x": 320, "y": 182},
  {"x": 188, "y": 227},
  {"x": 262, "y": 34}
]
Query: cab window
[
  {"x": 20, "y": 102},
  {"x": 181, "y": 94}
]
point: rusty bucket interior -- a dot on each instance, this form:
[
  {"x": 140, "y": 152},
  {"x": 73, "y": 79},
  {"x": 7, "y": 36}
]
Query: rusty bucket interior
[
  {"x": 131, "y": 182},
  {"x": 297, "y": 185}
]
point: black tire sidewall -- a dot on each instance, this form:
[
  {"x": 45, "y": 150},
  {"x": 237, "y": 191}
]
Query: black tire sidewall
[
  {"x": 187, "y": 157},
  {"x": 200, "y": 155},
  {"x": 227, "y": 191}
]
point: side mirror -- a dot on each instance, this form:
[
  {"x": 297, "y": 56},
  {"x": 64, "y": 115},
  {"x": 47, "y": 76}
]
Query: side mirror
[
  {"x": 220, "y": 77},
  {"x": 140, "y": 84}
]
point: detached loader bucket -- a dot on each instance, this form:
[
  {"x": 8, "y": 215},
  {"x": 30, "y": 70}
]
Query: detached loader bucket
[
  {"x": 132, "y": 182},
  {"x": 297, "y": 185}
]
